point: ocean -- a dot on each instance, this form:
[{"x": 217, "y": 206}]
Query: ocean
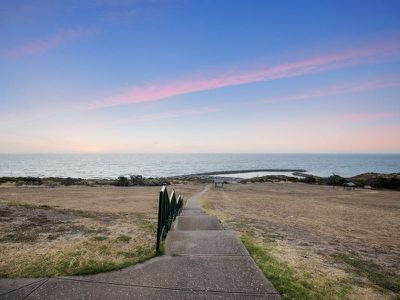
[{"x": 157, "y": 165}]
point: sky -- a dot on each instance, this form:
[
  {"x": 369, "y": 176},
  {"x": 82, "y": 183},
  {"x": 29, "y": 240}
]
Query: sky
[{"x": 199, "y": 76}]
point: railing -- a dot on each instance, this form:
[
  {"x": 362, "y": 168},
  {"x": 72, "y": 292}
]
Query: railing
[{"x": 168, "y": 209}]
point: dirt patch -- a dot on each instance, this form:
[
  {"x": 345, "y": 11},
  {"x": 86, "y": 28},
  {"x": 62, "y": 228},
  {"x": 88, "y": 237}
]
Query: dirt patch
[
  {"x": 317, "y": 226},
  {"x": 96, "y": 199},
  {"x": 76, "y": 230}
]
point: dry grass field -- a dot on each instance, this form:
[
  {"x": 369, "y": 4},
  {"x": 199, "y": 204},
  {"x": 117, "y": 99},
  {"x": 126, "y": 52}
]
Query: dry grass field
[
  {"x": 77, "y": 230},
  {"x": 317, "y": 242}
]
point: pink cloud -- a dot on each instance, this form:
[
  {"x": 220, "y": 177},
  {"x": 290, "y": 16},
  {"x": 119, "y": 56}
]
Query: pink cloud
[
  {"x": 364, "y": 117},
  {"x": 331, "y": 61},
  {"x": 344, "y": 120},
  {"x": 44, "y": 45},
  {"x": 352, "y": 87}
]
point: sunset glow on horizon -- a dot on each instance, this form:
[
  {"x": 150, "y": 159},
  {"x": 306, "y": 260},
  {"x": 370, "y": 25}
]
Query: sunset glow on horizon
[{"x": 200, "y": 77}]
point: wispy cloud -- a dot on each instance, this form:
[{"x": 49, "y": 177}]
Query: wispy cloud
[
  {"x": 347, "y": 88},
  {"x": 330, "y": 61},
  {"x": 338, "y": 89},
  {"x": 44, "y": 45},
  {"x": 364, "y": 117},
  {"x": 346, "y": 119}
]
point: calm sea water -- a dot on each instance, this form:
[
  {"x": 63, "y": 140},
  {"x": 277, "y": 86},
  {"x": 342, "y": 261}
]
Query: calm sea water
[{"x": 113, "y": 165}]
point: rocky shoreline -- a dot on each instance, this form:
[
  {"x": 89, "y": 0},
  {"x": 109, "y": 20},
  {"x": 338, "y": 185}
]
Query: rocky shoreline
[{"x": 365, "y": 180}]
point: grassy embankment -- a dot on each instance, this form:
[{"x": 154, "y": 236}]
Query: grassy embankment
[
  {"x": 316, "y": 242},
  {"x": 77, "y": 230}
]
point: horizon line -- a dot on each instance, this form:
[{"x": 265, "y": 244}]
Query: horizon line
[{"x": 192, "y": 153}]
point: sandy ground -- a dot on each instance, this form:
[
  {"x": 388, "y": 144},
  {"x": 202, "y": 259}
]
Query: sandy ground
[
  {"x": 311, "y": 225},
  {"x": 65, "y": 230}
]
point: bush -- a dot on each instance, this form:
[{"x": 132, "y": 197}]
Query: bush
[
  {"x": 378, "y": 181},
  {"x": 309, "y": 179},
  {"x": 392, "y": 183},
  {"x": 71, "y": 181},
  {"x": 137, "y": 180},
  {"x": 31, "y": 180},
  {"x": 270, "y": 178},
  {"x": 336, "y": 180},
  {"x": 122, "y": 181},
  {"x": 385, "y": 182},
  {"x": 7, "y": 179}
]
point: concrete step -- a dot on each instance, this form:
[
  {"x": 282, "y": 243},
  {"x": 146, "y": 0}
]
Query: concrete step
[
  {"x": 8, "y": 284},
  {"x": 230, "y": 274},
  {"x": 197, "y": 222},
  {"x": 21, "y": 289},
  {"x": 192, "y": 211},
  {"x": 204, "y": 242},
  {"x": 60, "y": 289}
]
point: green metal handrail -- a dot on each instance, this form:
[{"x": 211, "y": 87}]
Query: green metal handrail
[{"x": 168, "y": 209}]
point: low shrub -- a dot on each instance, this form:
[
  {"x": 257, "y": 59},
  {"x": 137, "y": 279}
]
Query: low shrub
[
  {"x": 336, "y": 180},
  {"x": 122, "y": 181},
  {"x": 309, "y": 179}
]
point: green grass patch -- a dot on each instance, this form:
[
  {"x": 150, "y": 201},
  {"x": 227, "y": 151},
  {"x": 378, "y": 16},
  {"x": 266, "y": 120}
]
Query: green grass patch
[
  {"x": 96, "y": 266},
  {"x": 148, "y": 226},
  {"x": 99, "y": 238},
  {"x": 123, "y": 239},
  {"x": 375, "y": 273},
  {"x": 47, "y": 207},
  {"x": 290, "y": 283},
  {"x": 20, "y": 236},
  {"x": 127, "y": 254},
  {"x": 62, "y": 228},
  {"x": 144, "y": 223},
  {"x": 53, "y": 237},
  {"x": 162, "y": 248},
  {"x": 78, "y": 262}
]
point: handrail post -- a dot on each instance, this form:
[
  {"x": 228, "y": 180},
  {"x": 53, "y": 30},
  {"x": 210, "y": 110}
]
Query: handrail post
[
  {"x": 160, "y": 219},
  {"x": 168, "y": 209}
]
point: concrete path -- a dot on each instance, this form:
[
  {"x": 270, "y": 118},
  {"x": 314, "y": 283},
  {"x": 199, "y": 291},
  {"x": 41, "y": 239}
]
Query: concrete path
[{"x": 202, "y": 261}]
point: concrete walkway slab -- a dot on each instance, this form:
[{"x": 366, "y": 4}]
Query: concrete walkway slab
[
  {"x": 206, "y": 273},
  {"x": 192, "y": 211},
  {"x": 204, "y": 242},
  {"x": 8, "y": 284},
  {"x": 57, "y": 289},
  {"x": 68, "y": 289},
  {"x": 22, "y": 291},
  {"x": 194, "y": 202},
  {"x": 197, "y": 222}
]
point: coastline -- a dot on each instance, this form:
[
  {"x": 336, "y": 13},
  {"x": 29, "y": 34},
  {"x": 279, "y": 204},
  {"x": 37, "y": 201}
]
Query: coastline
[
  {"x": 364, "y": 180},
  {"x": 110, "y": 166}
]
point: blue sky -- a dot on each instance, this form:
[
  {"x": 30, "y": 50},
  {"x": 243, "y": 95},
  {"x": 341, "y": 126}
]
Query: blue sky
[{"x": 199, "y": 76}]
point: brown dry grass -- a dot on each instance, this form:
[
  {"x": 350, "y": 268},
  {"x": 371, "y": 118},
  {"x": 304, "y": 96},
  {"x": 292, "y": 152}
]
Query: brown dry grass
[
  {"x": 76, "y": 230},
  {"x": 345, "y": 244}
]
